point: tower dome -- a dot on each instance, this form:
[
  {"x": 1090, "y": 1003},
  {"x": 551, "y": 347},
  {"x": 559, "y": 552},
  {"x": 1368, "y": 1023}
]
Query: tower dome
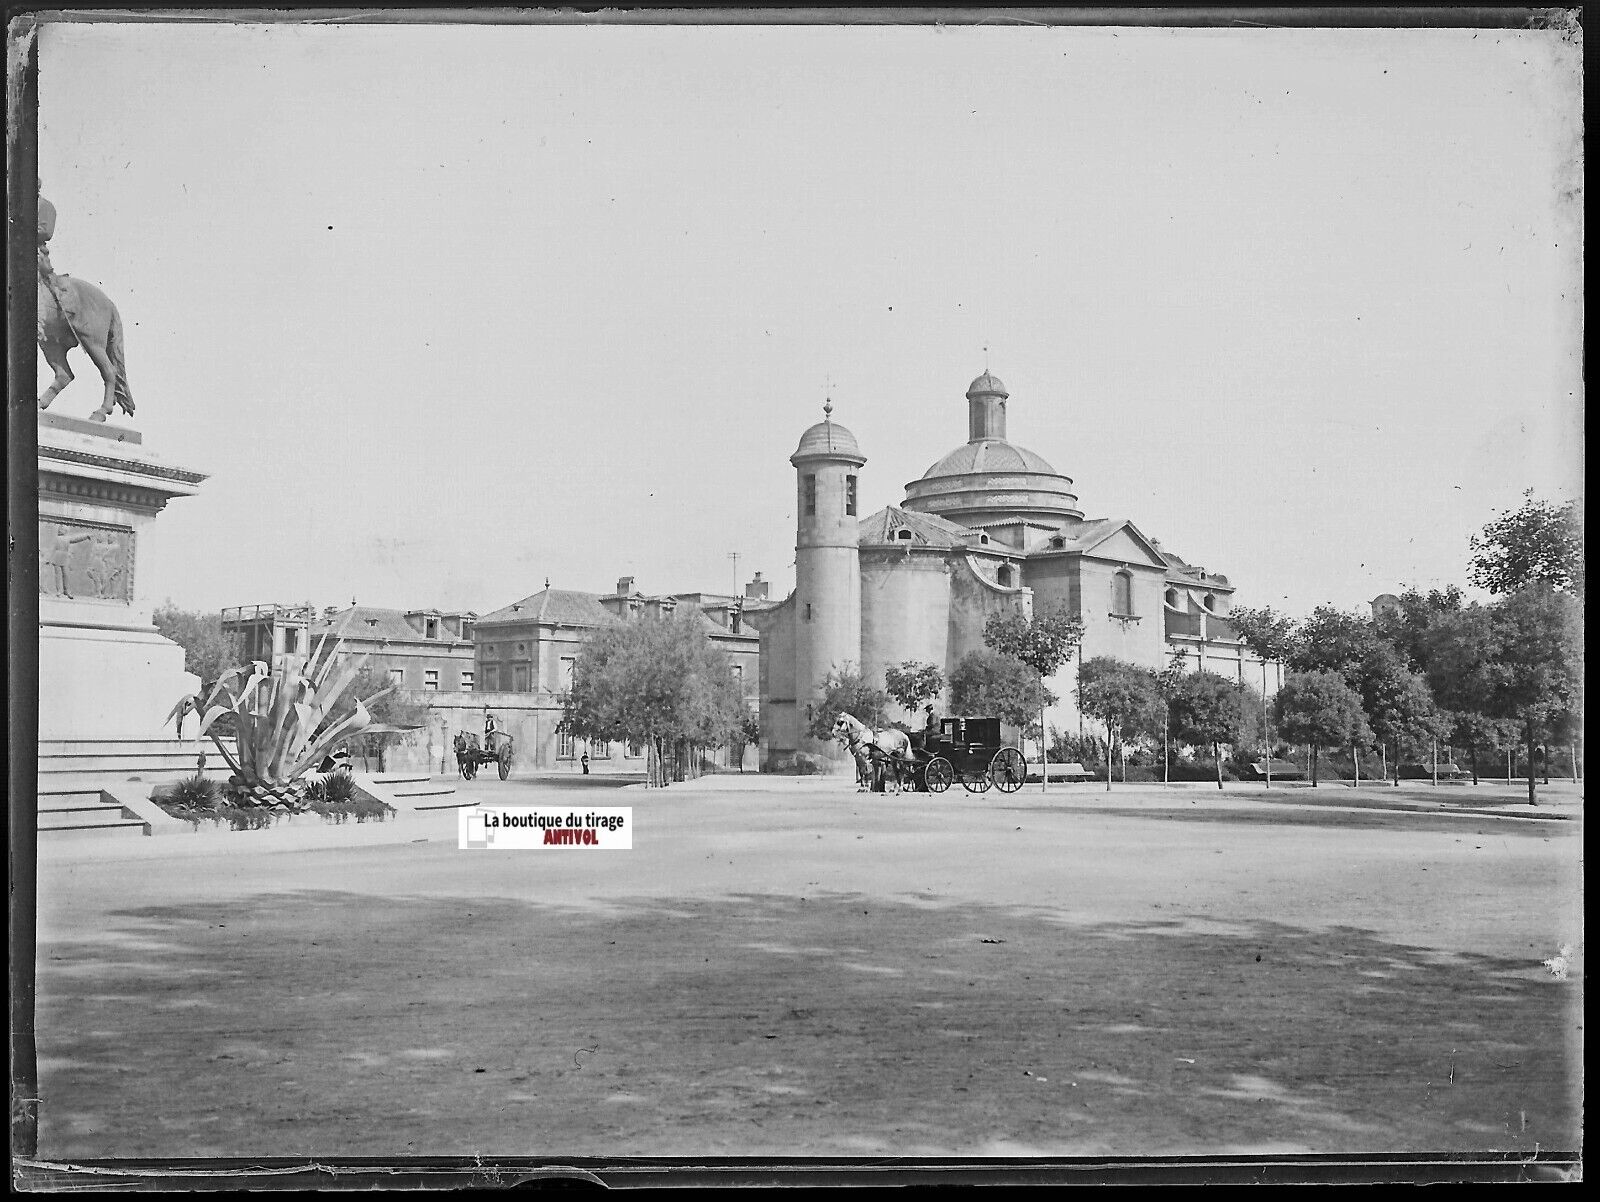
[
  {"x": 986, "y": 385},
  {"x": 828, "y": 439}
]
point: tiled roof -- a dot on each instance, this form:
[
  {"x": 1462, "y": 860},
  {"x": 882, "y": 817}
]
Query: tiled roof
[
  {"x": 828, "y": 438},
  {"x": 1087, "y": 535},
  {"x": 367, "y": 622},
  {"x": 553, "y": 607},
  {"x": 927, "y": 530}
]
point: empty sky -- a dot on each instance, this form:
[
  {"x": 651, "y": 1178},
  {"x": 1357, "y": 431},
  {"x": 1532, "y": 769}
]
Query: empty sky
[{"x": 447, "y": 310}]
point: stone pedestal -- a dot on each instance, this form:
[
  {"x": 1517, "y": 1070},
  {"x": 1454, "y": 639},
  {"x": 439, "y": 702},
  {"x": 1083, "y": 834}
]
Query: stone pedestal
[{"x": 104, "y": 671}]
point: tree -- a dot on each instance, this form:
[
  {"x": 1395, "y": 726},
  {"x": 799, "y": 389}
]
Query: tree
[
  {"x": 388, "y": 706},
  {"x": 1321, "y": 710},
  {"x": 912, "y": 683},
  {"x": 1208, "y": 710},
  {"x": 1332, "y": 640},
  {"x": 1167, "y": 682},
  {"x": 1539, "y": 544},
  {"x": 1536, "y": 664},
  {"x": 1044, "y": 644},
  {"x": 657, "y": 682},
  {"x": 208, "y": 651},
  {"x": 846, "y": 691},
  {"x": 1270, "y": 636},
  {"x": 1400, "y": 708},
  {"x": 1118, "y": 694},
  {"x": 989, "y": 683},
  {"x": 1407, "y": 628}
]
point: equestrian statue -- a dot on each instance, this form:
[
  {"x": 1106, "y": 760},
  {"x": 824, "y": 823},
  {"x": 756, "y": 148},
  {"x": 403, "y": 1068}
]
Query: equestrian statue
[{"x": 73, "y": 312}]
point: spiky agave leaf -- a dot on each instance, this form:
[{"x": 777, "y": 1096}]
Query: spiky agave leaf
[
  {"x": 331, "y": 735},
  {"x": 188, "y": 703}
]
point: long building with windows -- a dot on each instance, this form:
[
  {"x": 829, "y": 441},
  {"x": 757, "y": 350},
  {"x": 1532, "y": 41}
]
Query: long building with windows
[{"x": 990, "y": 527}]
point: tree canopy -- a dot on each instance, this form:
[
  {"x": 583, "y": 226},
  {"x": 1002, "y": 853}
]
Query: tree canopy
[
  {"x": 1044, "y": 643},
  {"x": 912, "y": 683},
  {"x": 1538, "y": 543},
  {"x": 991, "y": 684},
  {"x": 657, "y": 681},
  {"x": 846, "y": 691},
  {"x": 208, "y": 652}
]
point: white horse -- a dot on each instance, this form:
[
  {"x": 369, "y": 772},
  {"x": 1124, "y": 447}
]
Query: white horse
[{"x": 891, "y": 748}]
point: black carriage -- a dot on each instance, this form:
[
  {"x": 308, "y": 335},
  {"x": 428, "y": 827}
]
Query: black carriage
[
  {"x": 470, "y": 756},
  {"x": 970, "y": 750}
]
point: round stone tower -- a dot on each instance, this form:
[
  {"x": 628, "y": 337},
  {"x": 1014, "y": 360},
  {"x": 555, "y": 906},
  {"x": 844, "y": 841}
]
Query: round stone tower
[{"x": 827, "y": 567}]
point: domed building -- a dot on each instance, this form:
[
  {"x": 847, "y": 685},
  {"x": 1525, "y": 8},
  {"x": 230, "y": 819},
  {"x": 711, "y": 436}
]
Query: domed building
[{"x": 990, "y": 527}]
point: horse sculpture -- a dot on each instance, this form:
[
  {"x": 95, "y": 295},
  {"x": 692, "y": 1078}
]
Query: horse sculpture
[
  {"x": 73, "y": 312},
  {"x": 890, "y": 749}
]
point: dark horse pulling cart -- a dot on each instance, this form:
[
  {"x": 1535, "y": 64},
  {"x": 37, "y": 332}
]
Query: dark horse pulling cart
[
  {"x": 470, "y": 756},
  {"x": 969, "y": 750}
]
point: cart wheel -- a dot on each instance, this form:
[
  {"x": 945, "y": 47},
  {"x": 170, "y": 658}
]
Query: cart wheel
[
  {"x": 505, "y": 763},
  {"x": 976, "y": 784},
  {"x": 470, "y": 769},
  {"x": 1008, "y": 770},
  {"x": 939, "y": 775},
  {"x": 461, "y": 766}
]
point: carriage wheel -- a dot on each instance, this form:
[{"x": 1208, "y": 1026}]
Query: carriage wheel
[
  {"x": 939, "y": 774},
  {"x": 976, "y": 784},
  {"x": 505, "y": 762},
  {"x": 469, "y": 768},
  {"x": 461, "y": 766},
  {"x": 1008, "y": 770}
]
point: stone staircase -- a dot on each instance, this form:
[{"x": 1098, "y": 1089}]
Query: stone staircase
[
  {"x": 417, "y": 790},
  {"x": 100, "y": 787}
]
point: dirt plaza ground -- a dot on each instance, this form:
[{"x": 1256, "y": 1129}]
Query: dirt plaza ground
[{"x": 785, "y": 967}]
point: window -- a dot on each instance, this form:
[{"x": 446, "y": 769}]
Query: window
[
  {"x": 1122, "y": 593},
  {"x": 808, "y": 611},
  {"x": 466, "y": 629},
  {"x": 599, "y": 749},
  {"x": 519, "y": 676},
  {"x": 466, "y": 682},
  {"x": 738, "y": 673},
  {"x": 566, "y": 745},
  {"x": 633, "y": 749},
  {"x": 903, "y": 533},
  {"x": 291, "y": 639},
  {"x": 431, "y": 628},
  {"x": 491, "y": 677},
  {"x": 1210, "y": 602},
  {"x": 568, "y": 664},
  {"x": 808, "y": 496},
  {"x": 1057, "y": 543},
  {"x": 430, "y": 680},
  {"x": 397, "y": 677},
  {"x": 850, "y": 495},
  {"x": 1172, "y": 598},
  {"x": 1004, "y": 575},
  {"x": 522, "y": 648}
]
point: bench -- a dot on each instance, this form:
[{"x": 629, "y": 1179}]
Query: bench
[{"x": 1062, "y": 772}]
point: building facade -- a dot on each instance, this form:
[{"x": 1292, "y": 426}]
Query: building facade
[
  {"x": 990, "y": 527},
  {"x": 422, "y": 650}
]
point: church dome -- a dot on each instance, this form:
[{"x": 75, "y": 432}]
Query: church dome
[
  {"x": 987, "y": 385},
  {"x": 989, "y": 455}
]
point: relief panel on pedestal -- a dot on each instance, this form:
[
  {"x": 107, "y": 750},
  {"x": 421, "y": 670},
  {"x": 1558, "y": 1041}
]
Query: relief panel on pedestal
[{"x": 85, "y": 560}]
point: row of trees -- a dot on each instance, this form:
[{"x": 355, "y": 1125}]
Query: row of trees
[{"x": 1436, "y": 669}]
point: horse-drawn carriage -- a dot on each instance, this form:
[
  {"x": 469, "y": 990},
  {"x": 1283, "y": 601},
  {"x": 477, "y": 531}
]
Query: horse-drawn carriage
[
  {"x": 471, "y": 755},
  {"x": 970, "y": 750}
]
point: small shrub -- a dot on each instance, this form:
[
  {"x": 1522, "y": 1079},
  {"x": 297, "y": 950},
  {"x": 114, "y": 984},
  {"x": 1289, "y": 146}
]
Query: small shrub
[{"x": 194, "y": 793}]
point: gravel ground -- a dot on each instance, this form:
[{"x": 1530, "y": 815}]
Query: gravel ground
[{"x": 790, "y": 968}]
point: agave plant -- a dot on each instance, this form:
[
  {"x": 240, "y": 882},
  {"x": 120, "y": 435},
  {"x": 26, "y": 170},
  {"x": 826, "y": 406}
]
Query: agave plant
[{"x": 286, "y": 718}]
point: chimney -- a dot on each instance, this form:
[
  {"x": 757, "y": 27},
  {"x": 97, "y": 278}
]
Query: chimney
[
  {"x": 624, "y": 586},
  {"x": 756, "y": 590}
]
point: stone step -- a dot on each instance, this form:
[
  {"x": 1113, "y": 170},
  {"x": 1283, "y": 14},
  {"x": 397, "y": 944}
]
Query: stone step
[
  {"x": 121, "y": 826},
  {"x": 144, "y": 762},
  {"x": 55, "y": 747}
]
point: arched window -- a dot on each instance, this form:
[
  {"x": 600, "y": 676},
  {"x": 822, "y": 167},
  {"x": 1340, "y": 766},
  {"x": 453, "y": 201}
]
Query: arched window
[
  {"x": 1057, "y": 543},
  {"x": 903, "y": 534},
  {"x": 1172, "y": 598},
  {"x": 1122, "y": 593},
  {"x": 1003, "y": 576},
  {"x": 1210, "y": 602}
]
